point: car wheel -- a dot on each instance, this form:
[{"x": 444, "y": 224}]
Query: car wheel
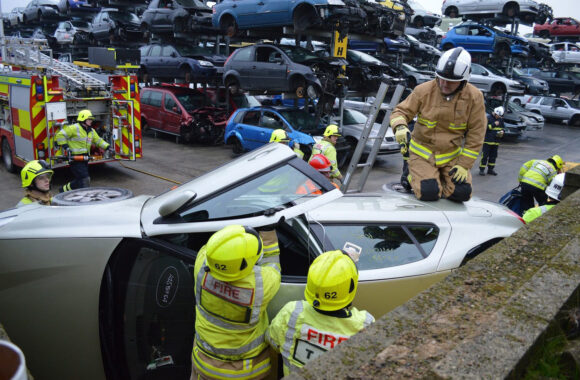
[
  {"x": 352, "y": 143},
  {"x": 497, "y": 89},
  {"x": 511, "y": 10},
  {"x": 418, "y": 22},
  {"x": 91, "y": 195},
  {"x": 575, "y": 121},
  {"x": 447, "y": 47},
  {"x": 299, "y": 87},
  {"x": 186, "y": 74},
  {"x": 144, "y": 126},
  {"x": 452, "y": 12},
  {"x": 233, "y": 86},
  {"x": 186, "y": 134},
  {"x": 7, "y": 157},
  {"x": 302, "y": 19},
  {"x": 411, "y": 82},
  {"x": 518, "y": 102},
  {"x": 228, "y": 26},
  {"x": 237, "y": 147},
  {"x": 39, "y": 16}
]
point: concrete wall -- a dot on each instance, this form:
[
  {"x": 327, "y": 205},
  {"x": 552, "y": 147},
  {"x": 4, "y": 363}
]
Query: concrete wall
[{"x": 489, "y": 319}]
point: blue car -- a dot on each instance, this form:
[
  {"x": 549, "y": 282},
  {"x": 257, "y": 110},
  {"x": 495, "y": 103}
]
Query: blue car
[
  {"x": 250, "y": 128},
  {"x": 477, "y": 38},
  {"x": 390, "y": 45},
  {"x": 230, "y": 16}
]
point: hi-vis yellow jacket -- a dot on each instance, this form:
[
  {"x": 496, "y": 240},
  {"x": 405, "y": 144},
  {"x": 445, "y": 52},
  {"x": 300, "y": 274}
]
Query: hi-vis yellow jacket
[
  {"x": 445, "y": 128},
  {"x": 78, "y": 140}
]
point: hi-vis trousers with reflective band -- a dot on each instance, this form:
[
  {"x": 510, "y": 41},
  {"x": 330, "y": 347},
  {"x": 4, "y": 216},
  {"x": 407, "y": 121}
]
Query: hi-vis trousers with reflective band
[
  {"x": 423, "y": 170},
  {"x": 205, "y": 367}
]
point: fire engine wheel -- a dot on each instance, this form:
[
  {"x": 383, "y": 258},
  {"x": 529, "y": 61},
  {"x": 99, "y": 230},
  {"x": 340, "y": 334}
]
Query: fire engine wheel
[
  {"x": 7, "y": 156},
  {"x": 91, "y": 195}
]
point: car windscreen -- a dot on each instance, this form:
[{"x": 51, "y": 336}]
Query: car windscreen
[
  {"x": 191, "y": 50},
  {"x": 125, "y": 17},
  {"x": 383, "y": 245},
  {"x": 81, "y": 24},
  {"x": 514, "y": 107},
  {"x": 495, "y": 71},
  {"x": 300, "y": 120},
  {"x": 574, "y": 103},
  {"x": 257, "y": 196},
  {"x": 298, "y": 54},
  {"x": 353, "y": 117},
  {"x": 357, "y": 56},
  {"x": 192, "y": 101}
]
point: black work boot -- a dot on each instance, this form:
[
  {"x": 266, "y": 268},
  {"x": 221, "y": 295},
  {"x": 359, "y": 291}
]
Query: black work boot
[
  {"x": 481, "y": 171},
  {"x": 490, "y": 171}
]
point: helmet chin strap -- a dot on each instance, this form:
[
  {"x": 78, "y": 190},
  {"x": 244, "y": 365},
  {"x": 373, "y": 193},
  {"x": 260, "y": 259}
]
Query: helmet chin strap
[{"x": 448, "y": 97}]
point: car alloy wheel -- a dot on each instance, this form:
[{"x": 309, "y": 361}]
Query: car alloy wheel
[{"x": 91, "y": 195}]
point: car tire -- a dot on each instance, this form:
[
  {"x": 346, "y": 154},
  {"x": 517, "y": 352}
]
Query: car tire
[
  {"x": 7, "y": 157},
  {"x": 186, "y": 74},
  {"x": 447, "y": 47},
  {"x": 418, "y": 22},
  {"x": 518, "y": 102},
  {"x": 233, "y": 86},
  {"x": 299, "y": 87},
  {"x": 302, "y": 19},
  {"x": 236, "y": 144},
  {"x": 511, "y": 10},
  {"x": 575, "y": 121},
  {"x": 497, "y": 89},
  {"x": 228, "y": 26},
  {"x": 90, "y": 196},
  {"x": 451, "y": 12}
]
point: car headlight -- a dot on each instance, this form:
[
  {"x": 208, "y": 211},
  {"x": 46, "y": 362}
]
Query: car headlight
[
  {"x": 335, "y": 2},
  {"x": 205, "y": 63}
]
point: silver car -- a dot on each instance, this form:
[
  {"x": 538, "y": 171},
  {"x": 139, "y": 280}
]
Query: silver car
[
  {"x": 106, "y": 289},
  {"x": 415, "y": 77},
  {"x": 555, "y": 108},
  {"x": 15, "y": 16},
  {"x": 493, "y": 82},
  {"x": 526, "y": 10}
]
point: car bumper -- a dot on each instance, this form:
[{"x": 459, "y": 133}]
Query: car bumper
[
  {"x": 516, "y": 89},
  {"x": 538, "y": 90},
  {"x": 344, "y": 14},
  {"x": 514, "y": 130},
  {"x": 534, "y": 125}
]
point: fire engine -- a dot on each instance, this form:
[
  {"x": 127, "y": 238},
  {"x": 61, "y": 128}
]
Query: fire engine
[{"x": 39, "y": 95}]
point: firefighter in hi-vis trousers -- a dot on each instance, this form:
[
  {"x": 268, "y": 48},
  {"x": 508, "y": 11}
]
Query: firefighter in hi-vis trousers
[
  {"x": 493, "y": 134},
  {"x": 237, "y": 273},
  {"x": 449, "y": 131},
  {"x": 77, "y": 139},
  {"x": 303, "y": 330}
]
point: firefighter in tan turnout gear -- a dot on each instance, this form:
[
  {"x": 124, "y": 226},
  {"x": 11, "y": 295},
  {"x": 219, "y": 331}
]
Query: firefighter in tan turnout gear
[
  {"x": 449, "y": 131},
  {"x": 303, "y": 330},
  {"x": 237, "y": 273}
]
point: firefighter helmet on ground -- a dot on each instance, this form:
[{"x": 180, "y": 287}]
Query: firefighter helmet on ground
[
  {"x": 320, "y": 163},
  {"x": 232, "y": 252},
  {"x": 84, "y": 115},
  {"x": 332, "y": 281},
  {"x": 558, "y": 161},
  {"x": 32, "y": 170},
  {"x": 499, "y": 111},
  {"x": 454, "y": 65},
  {"x": 555, "y": 187},
  {"x": 279, "y": 136},
  {"x": 331, "y": 130}
]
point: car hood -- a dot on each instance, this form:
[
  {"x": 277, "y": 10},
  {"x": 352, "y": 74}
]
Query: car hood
[
  {"x": 356, "y": 130},
  {"x": 230, "y": 177},
  {"x": 333, "y": 61},
  {"x": 213, "y": 58},
  {"x": 86, "y": 221}
]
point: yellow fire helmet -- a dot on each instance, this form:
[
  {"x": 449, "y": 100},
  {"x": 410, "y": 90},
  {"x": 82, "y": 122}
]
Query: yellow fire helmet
[
  {"x": 32, "y": 170},
  {"x": 84, "y": 115},
  {"x": 558, "y": 161},
  {"x": 232, "y": 252},
  {"x": 331, "y": 130},
  {"x": 279, "y": 136},
  {"x": 332, "y": 281}
]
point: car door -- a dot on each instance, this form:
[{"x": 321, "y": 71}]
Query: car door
[
  {"x": 101, "y": 26},
  {"x": 460, "y": 36},
  {"x": 155, "y": 103},
  {"x": 246, "y": 13},
  {"x": 547, "y": 107},
  {"x": 256, "y": 189},
  {"x": 269, "y": 121},
  {"x": 162, "y": 14},
  {"x": 153, "y": 61},
  {"x": 170, "y": 114},
  {"x": 249, "y": 129},
  {"x": 274, "y": 12},
  {"x": 270, "y": 68},
  {"x": 479, "y": 39},
  {"x": 570, "y": 27},
  {"x": 170, "y": 61}
]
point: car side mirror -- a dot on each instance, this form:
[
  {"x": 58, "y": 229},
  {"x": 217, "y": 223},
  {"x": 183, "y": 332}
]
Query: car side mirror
[
  {"x": 173, "y": 55},
  {"x": 485, "y": 73}
]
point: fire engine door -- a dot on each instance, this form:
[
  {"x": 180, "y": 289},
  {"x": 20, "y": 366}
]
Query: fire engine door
[
  {"x": 21, "y": 122},
  {"x": 124, "y": 129}
]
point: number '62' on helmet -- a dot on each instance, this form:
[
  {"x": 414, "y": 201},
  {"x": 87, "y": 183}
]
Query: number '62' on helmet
[
  {"x": 32, "y": 170},
  {"x": 279, "y": 136},
  {"x": 232, "y": 252},
  {"x": 454, "y": 65},
  {"x": 332, "y": 281},
  {"x": 84, "y": 115}
]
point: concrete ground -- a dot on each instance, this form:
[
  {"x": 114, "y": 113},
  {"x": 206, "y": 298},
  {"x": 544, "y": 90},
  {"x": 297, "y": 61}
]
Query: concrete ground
[{"x": 176, "y": 162}]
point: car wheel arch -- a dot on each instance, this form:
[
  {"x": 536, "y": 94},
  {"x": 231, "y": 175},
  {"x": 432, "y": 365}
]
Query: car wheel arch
[
  {"x": 450, "y": 10},
  {"x": 498, "y": 86},
  {"x": 508, "y": 7},
  {"x": 300, "y": 12}
]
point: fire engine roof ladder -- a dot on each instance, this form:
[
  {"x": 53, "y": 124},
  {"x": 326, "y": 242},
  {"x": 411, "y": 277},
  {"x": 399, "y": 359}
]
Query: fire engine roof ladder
[
  {"x": 375, "y": 108},
  {"x": 28, "y": 52}
]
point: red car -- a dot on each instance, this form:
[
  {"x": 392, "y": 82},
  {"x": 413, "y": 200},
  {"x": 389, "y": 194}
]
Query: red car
[
  {"x": 560, "y": 26},
  {"x": 184, "y": 112}
]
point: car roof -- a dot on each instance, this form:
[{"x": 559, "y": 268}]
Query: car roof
[{"x": 173, "y": 89}]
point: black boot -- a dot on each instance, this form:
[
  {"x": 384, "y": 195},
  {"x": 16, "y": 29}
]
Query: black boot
[
  {"x": 490, "y": 171},
  {"x": 481, "y": 171}
]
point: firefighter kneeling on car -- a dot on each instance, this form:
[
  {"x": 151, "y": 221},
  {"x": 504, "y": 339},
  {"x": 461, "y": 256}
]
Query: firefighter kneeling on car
[
  {"x": 237, "y": 273},
  {"x": 303, "y": 330},
  {"x": 449, "y": 131},
  {"x": 77, "y": 139}
]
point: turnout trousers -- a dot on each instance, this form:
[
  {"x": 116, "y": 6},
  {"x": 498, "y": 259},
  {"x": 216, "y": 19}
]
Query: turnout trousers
[
  {"x": 430, "y": 182},
  {"x": 529, "y": 193},
  {"x": 489, "y": 155}
]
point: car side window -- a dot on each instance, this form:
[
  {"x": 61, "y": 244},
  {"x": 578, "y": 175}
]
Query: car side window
[
  {"x": 263, "y": 54},
  {"x": 156, "y": 98},
  {"x": 547, "y": 101},
  {"x": 243, "y": 55},
  {"x": 168, "y": 50},
  {"x": 384, "y": 245},
  {"x": 252, "y": 118},
  {"x": 155, "y": 51},
  {"x": 146, "y": 97},
  {"x": 461, "y": 31},
  {"x": 271, "y": 121},
  {"x": 476, "y": 70},
  {"x": 170, "y": 103}
]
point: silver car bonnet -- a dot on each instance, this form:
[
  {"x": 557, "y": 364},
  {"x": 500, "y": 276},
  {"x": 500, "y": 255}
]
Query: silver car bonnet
[
  {"x": 245, "y": 167},
  {"x": 113, "y": 219}
]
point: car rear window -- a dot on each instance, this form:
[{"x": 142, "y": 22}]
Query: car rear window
[{"x": 384, "y": 245}]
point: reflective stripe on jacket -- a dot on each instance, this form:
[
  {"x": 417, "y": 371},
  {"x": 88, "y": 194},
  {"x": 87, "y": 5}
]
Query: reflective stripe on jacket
[
  {"x": 538, "y": 173},
  {"x": 231, "y": 317},
  {"x": 326, "y": 148},
  {"x": 78, "y": 140},
  {"x": 300, "y": 333},
  {"x": 447, "y": 129},
  {"x": 35, "y": 196},
  {"x": 535, "y": 212}
]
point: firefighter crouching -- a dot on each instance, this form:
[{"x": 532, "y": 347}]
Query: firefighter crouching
[
  {"x": 553, "y": 192},
  {"x": 77, "y": 139},
  {"x": 236, "y": 275},
  {"x": 36, "y": 176},
  {"x": 534, "y": 177},
  {"x": 326, "y": 146},
  {"x": 493, "y": 134},
  {"x": 303, "y": 330},
  {"x": 449, "y": 131}
]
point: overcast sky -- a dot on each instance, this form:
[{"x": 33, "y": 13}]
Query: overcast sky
[{"x": 560, "y": 7}]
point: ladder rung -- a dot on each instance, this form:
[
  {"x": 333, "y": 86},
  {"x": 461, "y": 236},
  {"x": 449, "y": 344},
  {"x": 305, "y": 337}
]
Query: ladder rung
[{"x": 363, "y": 165}]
